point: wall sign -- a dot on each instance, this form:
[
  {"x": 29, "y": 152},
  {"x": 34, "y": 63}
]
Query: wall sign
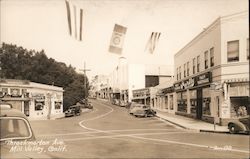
[{"x": 194, "y": 81}]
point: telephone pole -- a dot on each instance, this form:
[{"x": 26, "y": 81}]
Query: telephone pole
[{"x": 85, "y": 79}]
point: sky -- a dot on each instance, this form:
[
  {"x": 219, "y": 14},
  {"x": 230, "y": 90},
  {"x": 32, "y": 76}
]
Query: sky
[{"x": 42, "y": 24}]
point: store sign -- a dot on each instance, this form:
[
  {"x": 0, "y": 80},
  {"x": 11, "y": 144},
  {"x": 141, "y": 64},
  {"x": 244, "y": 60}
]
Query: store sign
[
  {"x": 194, "y": 81},
  {"x": 204, "y": 78},
  {"x": 168, "y": 90},
  {"x": 185, "y": 84},
  {"x": 140, "y": 92}
]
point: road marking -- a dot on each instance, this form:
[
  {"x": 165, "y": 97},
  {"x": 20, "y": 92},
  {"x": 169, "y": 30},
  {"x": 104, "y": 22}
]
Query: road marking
[
  {"x": 106, "y": 131},
  {"x": 122, "y": 135},
  {"x": 138, "y": 137}
]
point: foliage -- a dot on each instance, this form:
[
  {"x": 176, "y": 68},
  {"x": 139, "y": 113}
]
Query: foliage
[{"x": 19, "y": 63}]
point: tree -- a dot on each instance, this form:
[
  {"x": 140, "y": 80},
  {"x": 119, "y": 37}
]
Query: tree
[{"x": 19, "y": 63}]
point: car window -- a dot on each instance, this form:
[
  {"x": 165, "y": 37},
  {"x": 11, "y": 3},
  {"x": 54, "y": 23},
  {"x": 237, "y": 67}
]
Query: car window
[{"x": 14, "y": 128}]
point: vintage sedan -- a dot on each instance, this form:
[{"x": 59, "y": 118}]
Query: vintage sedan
[
  {"x": 240, "y": 125},
  {"x": 74, "y": 110},
  {"x": 141, "y": 110},
  {"x": 15, "y": 128}
]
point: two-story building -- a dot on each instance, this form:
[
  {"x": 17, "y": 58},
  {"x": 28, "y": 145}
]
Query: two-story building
[{"x": 212, "y": 71}]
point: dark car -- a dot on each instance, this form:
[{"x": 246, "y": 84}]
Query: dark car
[
  {"x": 240, "y": 125},
  {"x": 74, "y": 110}
]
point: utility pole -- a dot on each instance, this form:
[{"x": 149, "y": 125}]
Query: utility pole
[{"x": 85, "y": 79}]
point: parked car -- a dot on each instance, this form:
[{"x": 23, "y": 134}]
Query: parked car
[
  {"x": 85, "y": 104},
  {"x": 16, "y": 127},
  {"x": 240, "y": 125},
  {"x": 141, "y": 110},
  {"x": 74, "y": 110},
  {"x": 123, "y": 104}
]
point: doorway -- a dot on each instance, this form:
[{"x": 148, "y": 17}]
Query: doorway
[{"x": 199, "y": 104}]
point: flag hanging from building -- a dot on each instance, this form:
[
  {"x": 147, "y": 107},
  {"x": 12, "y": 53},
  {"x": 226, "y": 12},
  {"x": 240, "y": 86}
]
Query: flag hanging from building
[
  {"x": 74, "y": 25},
  {"x": 152, "y": 42},
  {"x": 117, "y": 39}
]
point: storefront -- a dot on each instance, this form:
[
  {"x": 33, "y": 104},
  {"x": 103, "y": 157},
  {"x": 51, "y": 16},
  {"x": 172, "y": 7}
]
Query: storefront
[
  {"x": 236, "y": 102},
  {"x": 36, "y": 101},
  {"x": 141, "y": 96},
  {"x": 193, "y": 97}
]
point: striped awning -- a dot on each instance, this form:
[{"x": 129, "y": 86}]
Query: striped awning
[{"x": 234, "y": 80}]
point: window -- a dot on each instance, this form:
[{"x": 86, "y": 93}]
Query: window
[
  {"x": 198, "y": 63},
  {"x": 233, "y": 51},
  {"x": 248, "y": 49},
  {"x": 180, "y": 72},
  {"x": 177, "y": 73},
  {"x": 206, "y": 59},
  {"x": 194, "y": 63},
  {"x": 212, "y": 57},
  {"x": 184, "y": 70},
  {"x": 187, "y": 68}
]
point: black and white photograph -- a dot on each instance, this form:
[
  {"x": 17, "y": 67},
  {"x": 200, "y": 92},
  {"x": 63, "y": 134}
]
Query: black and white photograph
[{"x": 124, "y": 79}]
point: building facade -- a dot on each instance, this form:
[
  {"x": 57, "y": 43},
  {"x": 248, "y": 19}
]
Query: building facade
[
  {"x": 128, "y": 77},
  {"x": 37, "y": 101},
  {"x": 212, "y": 72}
]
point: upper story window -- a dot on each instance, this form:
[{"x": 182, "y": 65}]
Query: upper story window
[
  {"x": 184, "y": 70},
  {"x": 212, "y": 57},
  {"x": 233, "y": 51},
  {"x": 194, "y": 63},
  {"x": 198, "y": 63},
  {"x": 206, "y": 59},
  {"x": 248, "y": 49},
  {"x": 180, "y": 72},
  {"x": 187, "y": 68},
  {"x": 177, "y": 73}
]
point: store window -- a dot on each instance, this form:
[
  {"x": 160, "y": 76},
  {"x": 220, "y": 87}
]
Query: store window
[
  {"x": 166, "y": 102},
  {"x": 212, "y": 57},
  {"x": 206, "y": 59},
  {"x": 206, "y": 103},
  {"x": 198, "y": 63},
  {"x": 233, "y": 51},
  {"x": 58, "y": 105},
  {"x": 187, "y": 68},
  {"x": 248, "y": 49},
  {"x": 184, "y": 70},
  {"x": 193, "y": 101},
  {"x": 194, "y": 63},
  {"x": 171, "y": 102},
  {"x": 39, "y": 104},
  {"x": 239, "y": 106},
  {"x": 182, "y": 102}
]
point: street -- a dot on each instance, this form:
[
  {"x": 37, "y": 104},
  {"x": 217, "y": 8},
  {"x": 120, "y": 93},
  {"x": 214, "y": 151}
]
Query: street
[{"x": 108, "y": 131}]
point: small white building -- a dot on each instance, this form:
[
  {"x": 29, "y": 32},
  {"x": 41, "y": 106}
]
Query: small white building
[
  {"x": 212, "y": 71},
  {"x": 37, "y": 101}
]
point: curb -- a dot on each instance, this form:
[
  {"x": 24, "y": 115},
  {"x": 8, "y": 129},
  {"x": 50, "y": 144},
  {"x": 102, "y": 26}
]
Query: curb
[{"x": 196, "y": 130}]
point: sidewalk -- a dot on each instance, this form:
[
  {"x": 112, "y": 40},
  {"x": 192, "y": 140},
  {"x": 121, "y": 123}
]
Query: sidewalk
[{"x": 189, "y": 123}]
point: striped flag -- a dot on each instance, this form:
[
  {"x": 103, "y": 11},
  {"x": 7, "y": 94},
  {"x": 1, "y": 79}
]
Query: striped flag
[
  {"x": 117, "y": 39},
  {"x": 75, "y": 25},
  {"x": 80, "y": 32},
  {"x": 152, "y": 42},
  {"x": 69, "y": 17}
]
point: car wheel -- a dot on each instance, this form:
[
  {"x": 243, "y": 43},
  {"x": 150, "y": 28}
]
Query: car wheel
[{"x": 232, "y": 129}]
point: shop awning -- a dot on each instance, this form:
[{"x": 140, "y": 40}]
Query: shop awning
[{"x": 236, "y": 80}]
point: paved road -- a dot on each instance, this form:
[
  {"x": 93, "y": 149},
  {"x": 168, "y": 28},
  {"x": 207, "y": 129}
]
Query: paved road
[{"x": 110, "y": 132}]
